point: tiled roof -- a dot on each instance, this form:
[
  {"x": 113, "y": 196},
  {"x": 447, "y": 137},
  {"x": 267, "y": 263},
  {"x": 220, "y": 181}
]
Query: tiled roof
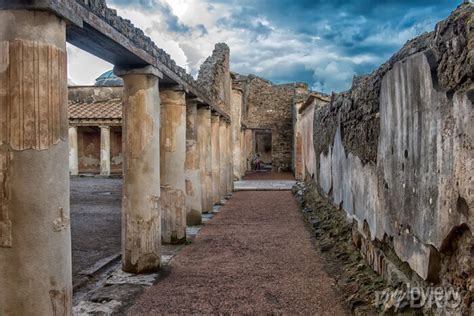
[{"x": 99, "y": 110}]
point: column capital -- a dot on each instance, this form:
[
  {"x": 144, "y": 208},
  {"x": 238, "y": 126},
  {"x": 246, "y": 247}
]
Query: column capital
[
  {"x": 121, "y": 71},
  {"x": 60, "y": 8},
  {"x": 104, "y": 126}
]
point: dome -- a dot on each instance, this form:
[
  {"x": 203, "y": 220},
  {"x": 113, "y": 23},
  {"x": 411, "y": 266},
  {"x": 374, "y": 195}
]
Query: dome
[{"x": 108, "y": 78}]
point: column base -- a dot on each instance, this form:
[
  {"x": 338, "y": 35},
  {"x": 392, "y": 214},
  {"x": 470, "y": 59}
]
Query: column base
[{"x": 193, "y": 218}]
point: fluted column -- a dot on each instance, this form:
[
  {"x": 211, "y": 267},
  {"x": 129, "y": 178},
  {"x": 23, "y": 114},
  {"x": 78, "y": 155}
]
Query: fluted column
[
  {"x": 141, "y": 234},
  {"x": 192, "y": 167},
  {"x": 230, "y": 159},
  {"x": 73, "y": 152},
  {"x": 204, "y": 144},
  {"x": 235, "y": 124},
  {"x": 172, "y": 161},
  {"x": 105, "y": 151},
  {"x": 216, "y": 166},
  {"x": 223, "y": 156},
  {"x": 35, "y": 235}
]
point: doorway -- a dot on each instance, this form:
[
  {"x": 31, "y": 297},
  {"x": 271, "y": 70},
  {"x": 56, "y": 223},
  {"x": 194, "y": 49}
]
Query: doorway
[{"x": 263, "y": 147}]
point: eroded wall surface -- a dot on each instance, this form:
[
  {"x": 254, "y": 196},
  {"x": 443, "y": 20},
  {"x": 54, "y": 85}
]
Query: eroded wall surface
[
  {"x": 89, "y": 150},
  {"x": 214, "y": 77},
  {"x": 396, "y": 151},
  {"x": 116, "y": 155}
]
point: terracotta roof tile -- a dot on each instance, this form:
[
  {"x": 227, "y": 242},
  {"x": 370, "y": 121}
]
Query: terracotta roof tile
[{"x": 110, "y": 109}]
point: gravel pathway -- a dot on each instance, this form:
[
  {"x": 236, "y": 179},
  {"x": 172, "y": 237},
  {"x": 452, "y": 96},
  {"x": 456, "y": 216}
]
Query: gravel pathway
[{"x": 255, "y": 256}]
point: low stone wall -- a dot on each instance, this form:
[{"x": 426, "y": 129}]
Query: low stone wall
[
  {"x": 395, "y": 152},
  {"x": 91, "y": 94}
]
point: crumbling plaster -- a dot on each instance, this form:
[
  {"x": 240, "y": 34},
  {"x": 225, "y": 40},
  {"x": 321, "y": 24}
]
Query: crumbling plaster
[{"x": 396, "y": 151}]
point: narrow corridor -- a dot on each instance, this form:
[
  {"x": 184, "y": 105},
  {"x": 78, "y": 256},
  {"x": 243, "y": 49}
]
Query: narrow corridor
[{"x": 255, "y": 256}]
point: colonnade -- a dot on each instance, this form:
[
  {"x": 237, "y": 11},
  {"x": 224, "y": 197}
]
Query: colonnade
[{"x": 177, "y": 164}]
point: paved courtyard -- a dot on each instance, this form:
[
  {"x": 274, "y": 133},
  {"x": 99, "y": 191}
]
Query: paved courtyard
[
  {"x": 265, "y": 181},
  {"x": 95, "y": 221}
]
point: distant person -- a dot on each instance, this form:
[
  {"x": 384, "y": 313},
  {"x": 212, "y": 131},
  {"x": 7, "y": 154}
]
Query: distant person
[
  {"x": 258, "y": 162},
  {"x": 254, "y": 161}
]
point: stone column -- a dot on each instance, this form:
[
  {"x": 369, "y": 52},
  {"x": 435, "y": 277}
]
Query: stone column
[
  {"x": 73, "y": 152},
  {"x": 192, "y": 168},
  {"x": 236, "y": 118},
  {"x": 105, "y": 151},
  {"x": 141, "y": 233},
  {"x": 173, "y": 156},
  {"x": 230, "y": 162},
  {"x": 223, "y": 156},
  {"x": 204, "y": 145},
  {"x": 216, "y": 166},
  {"x": 35, "y": 235},
  {"x": 248, "y": 135},
  {"x": 243, "y": 156},
  {"x": 297, "y": 142}
]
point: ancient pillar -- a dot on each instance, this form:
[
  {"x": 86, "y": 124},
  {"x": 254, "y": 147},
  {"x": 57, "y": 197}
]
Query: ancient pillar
[
  {"x": 297, "y": 142},
  {"x": 248, "y": 135},
  {"x": 230, "y": 162},
  {"x": 223, "y": 156},
  {"x": 141, "y": 233},
  {"x": 236, "y": 118},
  {"x": 73, "y": 152},
  {"x": 192, "y": 167},
  {"x": 243, "y": 156},
  {"x": 35, "y": 235},
  {"x": 105, "y": 151},
  {"x": 204, "y": 144},
  {"x": 216, "y": 166},
  {"x": 172, "y": 160}
]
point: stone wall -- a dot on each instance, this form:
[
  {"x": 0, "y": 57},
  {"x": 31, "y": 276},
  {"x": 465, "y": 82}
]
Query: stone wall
[
  {"x": 88, "y": 139},
  {"x": 396, "y": 152},
  {"x": 305, "y": 127},
  {"x": 90, "y": 94},
  {"x": 269, "y": 106},
  {"x": 214, "y": 77}
]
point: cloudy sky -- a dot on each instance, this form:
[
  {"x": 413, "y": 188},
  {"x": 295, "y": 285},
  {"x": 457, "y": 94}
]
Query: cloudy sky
[{"x": 321, "y": 42}]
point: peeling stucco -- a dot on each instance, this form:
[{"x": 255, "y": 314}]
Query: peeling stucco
[{"x": 396, "y": 151}]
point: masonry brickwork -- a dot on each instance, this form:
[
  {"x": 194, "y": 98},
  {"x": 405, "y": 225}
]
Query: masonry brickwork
[
  {"x": 269, "y": 106},
  {"x": 214, "y": 76}
]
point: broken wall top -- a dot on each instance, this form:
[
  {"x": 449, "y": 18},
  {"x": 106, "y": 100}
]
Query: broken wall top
[
  {"x": 214, "y": 76},
  {"x": 450, "y": 48}
]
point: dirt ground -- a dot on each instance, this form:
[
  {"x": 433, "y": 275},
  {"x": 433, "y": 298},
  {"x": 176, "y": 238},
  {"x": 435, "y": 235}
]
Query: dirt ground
[
  {"x": 268, "y": 175},
  {"x": 255, "y": 256},
  {"x": 95, "y": 220}
]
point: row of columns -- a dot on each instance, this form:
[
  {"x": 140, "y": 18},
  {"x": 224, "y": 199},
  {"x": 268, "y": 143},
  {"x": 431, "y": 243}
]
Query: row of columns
[
  {"x": 194, "y": 152},
  {"x": 177, "y": 165},
  {"x": 104, "y": 151}
]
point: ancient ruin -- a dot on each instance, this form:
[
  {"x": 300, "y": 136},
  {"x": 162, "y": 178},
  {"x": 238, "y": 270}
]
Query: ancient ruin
[
  {"x": 95, "y": 130},
  {"x": 394, "y": 153}
]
